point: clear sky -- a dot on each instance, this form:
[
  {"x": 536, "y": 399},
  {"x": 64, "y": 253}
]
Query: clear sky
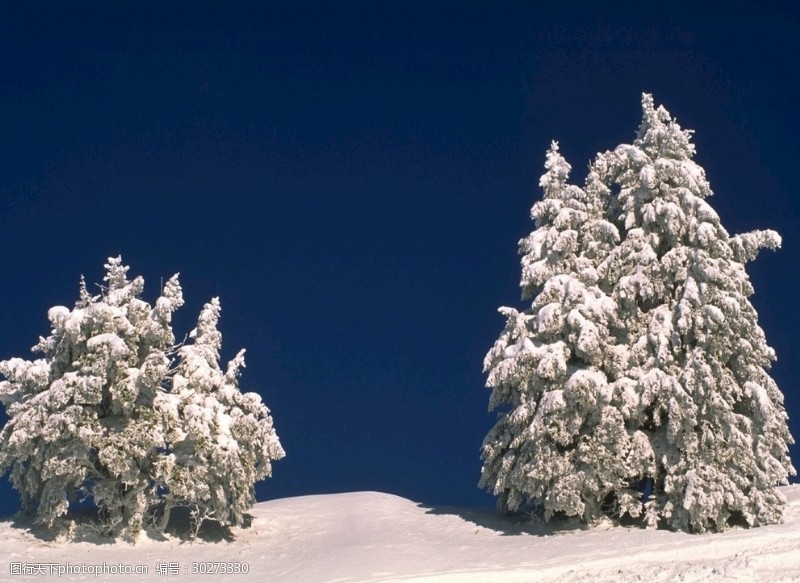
[{"x": 352, "y": 184}]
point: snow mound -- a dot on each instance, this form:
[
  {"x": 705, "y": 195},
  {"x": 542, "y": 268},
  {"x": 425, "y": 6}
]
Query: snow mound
[{"x": 375, "y": 537}]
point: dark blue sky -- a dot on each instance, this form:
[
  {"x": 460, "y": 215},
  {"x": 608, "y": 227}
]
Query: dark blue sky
[{"x": 352, "y": 183}]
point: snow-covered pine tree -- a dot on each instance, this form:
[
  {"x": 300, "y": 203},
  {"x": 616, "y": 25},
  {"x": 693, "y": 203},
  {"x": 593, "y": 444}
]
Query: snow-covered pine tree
[
  {"x": 87, "y": 419},
  {"x": 562, "y": 443},
  {"x": 696, "y": 378},
  {"x": 222, "y": 441},
  {"x": 640, "y": 360},
  {"x": 78, "y": 417}
]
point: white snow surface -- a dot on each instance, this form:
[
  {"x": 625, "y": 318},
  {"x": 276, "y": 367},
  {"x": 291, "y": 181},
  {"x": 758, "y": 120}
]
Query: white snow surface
[{"x": 371, "y": 537}]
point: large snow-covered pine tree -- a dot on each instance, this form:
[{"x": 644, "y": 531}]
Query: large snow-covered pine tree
[
  {"x": 697, "y": 379},
  {"x": 95, "y": 417},
  {"x": 676, "y": 394}
]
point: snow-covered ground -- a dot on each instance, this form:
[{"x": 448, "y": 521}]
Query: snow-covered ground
[{"x": 370, "y": 537}]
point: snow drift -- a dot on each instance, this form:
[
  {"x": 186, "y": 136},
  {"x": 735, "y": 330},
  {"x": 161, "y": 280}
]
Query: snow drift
[{"x": 371, "y": 537}]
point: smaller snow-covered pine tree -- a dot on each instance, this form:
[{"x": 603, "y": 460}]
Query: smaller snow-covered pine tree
[
  {"x": 221, "y": 441},
  {"x": 98, "y": 417},
  {"x": 563, "y": 444}
]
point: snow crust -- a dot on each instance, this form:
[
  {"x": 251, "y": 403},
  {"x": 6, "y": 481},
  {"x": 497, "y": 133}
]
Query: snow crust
[{"x": 375, "y": 537}]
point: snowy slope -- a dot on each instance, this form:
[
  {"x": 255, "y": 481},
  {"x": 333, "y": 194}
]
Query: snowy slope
[{"x": 370, "y": 537}]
